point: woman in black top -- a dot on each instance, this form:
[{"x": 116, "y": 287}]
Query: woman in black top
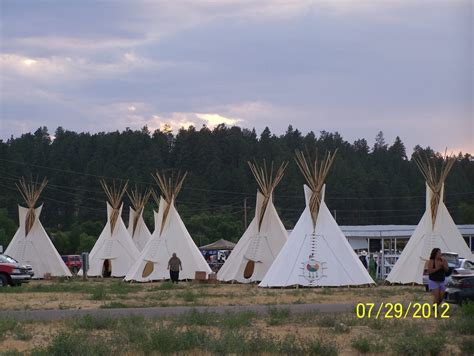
[{"x": 437, "y": 267}]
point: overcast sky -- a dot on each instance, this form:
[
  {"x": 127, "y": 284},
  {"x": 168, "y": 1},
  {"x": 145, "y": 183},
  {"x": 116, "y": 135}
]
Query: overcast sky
[{"x": 404, "y": 67}]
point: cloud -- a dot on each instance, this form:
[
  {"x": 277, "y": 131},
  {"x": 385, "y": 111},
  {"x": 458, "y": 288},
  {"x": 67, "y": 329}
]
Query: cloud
[
  {"x": 135, "y": 115},
  {"x": 353, "y": 66},
  {"x": 59, "y": 45},
  {"x": 66, "y": 70},
  {"x": 177, "y": 120},
  {"x": 213, "y": 120},
  {"x": 11, "y": 63}
]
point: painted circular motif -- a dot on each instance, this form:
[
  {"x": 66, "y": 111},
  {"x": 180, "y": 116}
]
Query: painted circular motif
[{"x": 312, "y": 266}]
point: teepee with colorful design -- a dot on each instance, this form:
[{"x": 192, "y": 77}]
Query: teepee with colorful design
[{"x": 317, "y": 252}]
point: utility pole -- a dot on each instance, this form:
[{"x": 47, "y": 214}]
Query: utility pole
[
  {"x": 335, "y": 214},
  {"x": 245, "y": 213}
]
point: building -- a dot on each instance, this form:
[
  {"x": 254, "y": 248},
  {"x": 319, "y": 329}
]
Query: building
[
  {"x": 386, "y": 242},
  {"x": 392, "y": 237}
]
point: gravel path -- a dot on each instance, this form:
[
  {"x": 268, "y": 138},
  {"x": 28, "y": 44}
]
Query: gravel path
[{"x": 49, "y": 315}]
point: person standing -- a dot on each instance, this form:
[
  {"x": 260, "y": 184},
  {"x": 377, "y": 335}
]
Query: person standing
[
  {"x": 437, "y": 267},
  {"x": 174, "y": 266},
  {"x": 363, "y": 258},
  {"x": 372, "y": 267}
]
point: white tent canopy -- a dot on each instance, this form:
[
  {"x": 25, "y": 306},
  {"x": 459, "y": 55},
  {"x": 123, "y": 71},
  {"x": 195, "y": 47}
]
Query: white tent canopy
[
  {"x": 256, "y": 250},
  {"x": 168, "y": 238},
  {"x": 316, "y": 255},
  {"x": 113, "y": 250},
  {"x": 141, "y": 235},
  {"x": 35, "y": 248},
  {"x": 442, "y": 234}
]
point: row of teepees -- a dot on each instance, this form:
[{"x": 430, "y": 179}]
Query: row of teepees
[
  {"x": 137, "y": 254},
  {"x": 315, "y": 254}
]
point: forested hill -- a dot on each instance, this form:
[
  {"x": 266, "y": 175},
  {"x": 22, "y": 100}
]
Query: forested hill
[{"x": 366, "y": 185}]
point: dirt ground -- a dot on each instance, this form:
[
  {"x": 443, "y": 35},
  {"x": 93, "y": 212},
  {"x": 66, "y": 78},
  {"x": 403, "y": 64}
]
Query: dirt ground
[
  {"x": 345, "y": 330},
  {"x": 100, "y": 293}
]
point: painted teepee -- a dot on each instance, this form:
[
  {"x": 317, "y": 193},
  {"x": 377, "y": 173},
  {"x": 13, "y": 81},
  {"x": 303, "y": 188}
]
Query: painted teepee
[
  {"x": 435, "y": 229},
  {"x": 170, "y": 236},
  {"x": 317, "y": 252},
  {"x": 31, "y": 244},
  {"x": 114, "y": 251},
  {"x": 256, "y": 250},
  {"x": 136, "y": 225}
]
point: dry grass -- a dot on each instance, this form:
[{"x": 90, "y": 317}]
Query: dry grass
[
  {"x": 211, "y": 333},
  {"x": 99, "y": 293}
]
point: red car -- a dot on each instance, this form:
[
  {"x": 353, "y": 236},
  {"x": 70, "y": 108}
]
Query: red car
[
  {"x": 73, "y": 262},
  {"x": 12, "y": 273}
]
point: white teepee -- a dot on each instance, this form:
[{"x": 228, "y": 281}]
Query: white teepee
[
  {"x": 136, "y": 225},
  {"x": 170, "y": 236},
  {"x": 31, "y": 244},
  {"x": 317, "y": 253},
  {"x": 114, "y": 251},
  {"x": 256, "y": 250},
  {"x": 435, "y": 229}
]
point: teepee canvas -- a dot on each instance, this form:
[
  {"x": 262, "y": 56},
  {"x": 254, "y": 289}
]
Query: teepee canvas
[
  {"x": 170, "y": 236},
  {"x": 256, "y": 250},
  {"x": 31, "y": 244},
  {"x": 435, "y": 229},
  {"x": 136, "y": 225},
  {"x": 317, "y": 253},
  {"x": 114, "y": 251}
]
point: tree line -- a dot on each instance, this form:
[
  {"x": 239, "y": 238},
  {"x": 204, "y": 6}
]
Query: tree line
[{"x": 366, "y": 185}]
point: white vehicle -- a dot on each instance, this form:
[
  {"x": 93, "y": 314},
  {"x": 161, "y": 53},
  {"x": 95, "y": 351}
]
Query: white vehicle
[
  {"x": 458, "y": 266},
  {"x": 466, "y": 267}
]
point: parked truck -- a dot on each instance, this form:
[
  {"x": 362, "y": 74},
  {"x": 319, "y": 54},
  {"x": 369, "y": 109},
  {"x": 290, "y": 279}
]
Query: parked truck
[{"x": 12, "y": 272}]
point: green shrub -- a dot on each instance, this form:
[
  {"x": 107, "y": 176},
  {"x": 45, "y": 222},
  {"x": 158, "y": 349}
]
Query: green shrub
[
  {"x": 238, "y": 342},
  {"x": 364, "y": 344},
  {"x": 467, "y": 310},
  {"x": 7, "y": 325},
  {"x": 238, "y": 320},
  {"x": 361, "y": 344},
  {"x": 134, "y": 329},
  {"x": 166, "y": 286},
  {"x": 290, "y": 346},
  {"x": 98, "y": 294},
  {"x": 114, "y": 305},
  {"x": 168, "y": 340},
  {"x": 229, "y": 320},
  {"x": 462, "y": 325},
  {"x": 320, "y": 347},
  {"x": 20, "y": 333},
  {"x": 195, "y": 317},
  {"x": 16, "y": 329},
  {"x": 11, "y": 353},
  {"x": 467, "y": 346},
  {"x": 120, "y": 287},
  {"x": 74, "y": 344},
  {"x": 325, "y": 321},
  {"x": 276, "y": 316},
  {"x": 415, "y": 342},
  {"x": 463, "y": 320},
  {"x": 189, "y": 296}
]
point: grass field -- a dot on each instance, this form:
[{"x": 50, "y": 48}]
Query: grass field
[
  {"x": 110, "y": 293},
  {"x": 279, "y": 331}
]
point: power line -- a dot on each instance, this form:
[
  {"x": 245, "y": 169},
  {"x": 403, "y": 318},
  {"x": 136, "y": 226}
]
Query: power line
[
  {"x": 101, "y": 200},
  {"x": 226, "y": 191}
]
